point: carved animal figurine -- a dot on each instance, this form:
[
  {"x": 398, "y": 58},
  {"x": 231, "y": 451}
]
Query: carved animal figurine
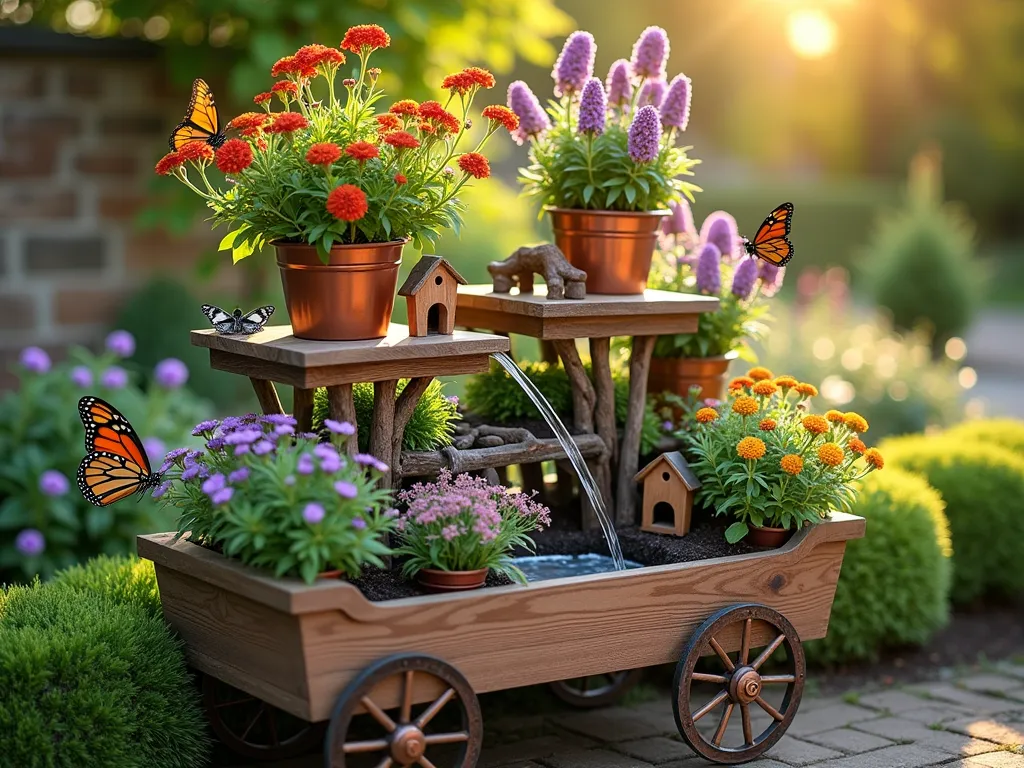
[{"x": 564, "y": 281}]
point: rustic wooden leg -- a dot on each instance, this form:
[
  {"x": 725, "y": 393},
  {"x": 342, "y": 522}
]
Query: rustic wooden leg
[
  {"x": 604, "y": 388},
  {"x": 404, "y": 407},
  {"x": 266, "y": 393},
  {"x": 548, "y": 353},
  {"x": 582, "y": 390},
  {"x": 303, "y": 408},
  {"x": 382, "y": 430},
  {"x": 341, "y": 407},
  {"x": 629, "y": 451}
]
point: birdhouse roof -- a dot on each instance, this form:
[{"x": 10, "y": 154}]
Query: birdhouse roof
[
  {"x": 424, "y": 268},
  {"x": 677, "y": 464}
]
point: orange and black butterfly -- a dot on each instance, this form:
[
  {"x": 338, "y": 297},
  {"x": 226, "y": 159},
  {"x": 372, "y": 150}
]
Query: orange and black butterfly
[
  {"x": 116, "y": 465},
  {"x": 771, "y": 243},
  {"x": 201, "y": 122}
]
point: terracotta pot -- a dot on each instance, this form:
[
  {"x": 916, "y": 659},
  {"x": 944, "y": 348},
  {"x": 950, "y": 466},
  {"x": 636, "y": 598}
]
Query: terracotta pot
[
  {"x": 336, "y": 574},
  {"x": 614, "y": 248},
  {"x": 436, "y": 580},
  {"x": 762, "y": 536},
  {"x": 678, "y": 374},
  {"x": 349, "y": 298}
]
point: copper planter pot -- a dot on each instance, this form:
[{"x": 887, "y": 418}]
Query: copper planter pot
[
  {"x": 678, "y": 374},
  {"x": 614, "y": 248},
  {"x": 435, "y": 580},
  {"x": 348, "y": 298},
  {"x": 771, "y": 538}
]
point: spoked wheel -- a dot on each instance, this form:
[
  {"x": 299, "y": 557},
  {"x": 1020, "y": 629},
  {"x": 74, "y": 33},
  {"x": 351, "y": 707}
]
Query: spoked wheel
[
  {"x": 596, "y": 690},
  {"x": 705, "y": 702},
  {"x": 444, "y": 733},
  {"x": 253, "y": 728}
]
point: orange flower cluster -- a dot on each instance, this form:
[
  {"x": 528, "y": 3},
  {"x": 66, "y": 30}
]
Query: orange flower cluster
[
  {"x": 792, "y": 464},
  {"x": 406, "y": 107},
  {"x": 807, "y": 390},
  {"x": 249, "y": 123},
  {"x": 263, "y": 98},
  {"x": 751, "y": 448},
  {"x": 324, "y": 154},
  {"x": 745, "y": 406},
  {"x": 287, "y": 122},
  {"x": 764, "y": 388},
  {"x": 362, "y": 151},
  {"x": 468, "y": 79},
  {"x": 234, "y": 156},
  {"x": 402, "y": 140},
  {"x": 364, "y": 38},
  {"x": 196, "y": 152},
  {"x": 433, "y": 112},
  {"x": 740, "y": 382},
  {"x": 387, "y": 122},
  {"x": 874, "y": 458},
  {"x": 767, "y": 425},
  {"x": 347, "y": 202},
  {"x": 831, "y": 454},
  {"x": 815, "y": 424},
  {"x": 706, "y": 415},
  {"x": 309, "y": 57},
  {"x": 475, "y": 165},
  {"x": 503, "y": 115},
  {"x": 856, "y": 422},
  {"x": 760, "y": 374},
  {"x": 168, "y": 163},
  {"x": 785, "y": 382},
  {"x": 856, "y": 445},
  {"x": 285, "y": 87},
  {"x": 401, "y": 179},
  {"x": 836, "y": 417}
]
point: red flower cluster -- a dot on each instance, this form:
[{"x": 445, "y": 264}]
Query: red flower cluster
[
  {"x": 426, "y": 128},
  {"x": 400, "y": 179},
  {"x": 285, "y": 86},
  {"x": 168, "y": 163},
  {"x": 388, "y": 122},
  {"x": 362, "y": 151},
  {"x": 503, "y": 115},
  {"x": 289, "y": 65},
  {"x": 312, "y": 56},
  {"x": 402, "y": 140},
  {"x": 249, "y": 123},
  {"x": 286, "y": 122},
  {"x": 234, "y": 156},
  {"x": 467, "y": 79},
  {"x": 368, "y": 36},
  {"x": 262, "y": 98},
  {"x": 323, "y": 154},
  {"x": 347, "y": 203},
  {"x": 475, "y": 165},
  {"x": 196, "y": 152},
  {"x": 405, "y": 107},
  {"x": 439, "y": 116}
]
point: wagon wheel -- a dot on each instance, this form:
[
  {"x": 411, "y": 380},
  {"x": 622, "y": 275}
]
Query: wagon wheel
[
  {"x": 596, "y": 690},
  {"x": 406, "y": 736},
  {"x": 253, "y": 728},
  {"x": 739, "y": 684}
]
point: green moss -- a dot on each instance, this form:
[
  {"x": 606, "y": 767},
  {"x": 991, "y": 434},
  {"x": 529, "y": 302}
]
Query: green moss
[
  {"x": 123, "y": 579},
  {"x": 894, "y": 585},
  {"x": 1005, "y": 433}
]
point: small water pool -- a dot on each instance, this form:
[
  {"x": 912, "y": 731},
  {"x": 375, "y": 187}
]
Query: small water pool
[{"x": 541, "y": 567}]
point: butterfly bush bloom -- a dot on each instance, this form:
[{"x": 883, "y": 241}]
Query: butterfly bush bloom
[
  {"x": 620, "y": 87},
  {"x": 650, "y": 53},
  {"x": 171, "y": 373},
  {"x": 81, "y": 376},
  {"x": 720, "y": 228},
  {"x": 532, "y": 117},
  {"x": 30, "y": 542},
  {"x": 35, "y": 360},
  {"x": 645, "y": 135},
  {"x": 575, "y": 64},
  {"x": 313, "y": 513},
  {"x": 121, "y": 343},
  {"x": 681, "y": 220},
  {"x": 592, "y": 108},
  {"x": 709, "y": 269},
  {"x": 675, "y": 109},
  {"x": 652, "y": 93},
  {"x": 743, "y": 278},
  {"x": 53, "y": 483},
  {"x": 114, "y": 377},
  {"x": 770, "y": 277}
]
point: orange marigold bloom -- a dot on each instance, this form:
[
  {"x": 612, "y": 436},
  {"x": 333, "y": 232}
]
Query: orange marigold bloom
[
  {"x": 362, "y": 151},
  {"x": 706, "y": 415},
  {"x": 426, "y": 128},
  {"x": 286, "y": 122},
  {"x": 387, "y": 122},
  {"x": 767, "y": 425},
  {"x": 263, "y": 98},
  {"x": 402, "y": 140},
  {"x": 286, "y": 66},
  {"x": 856, "y": 422},
  {"x": 874, "y": 458},
  {"x": 792, "y": 464},
  {"x": 400, "y": 179},
  {"x": 856, "y": 445},
  {"x": 457, "y": 82},
  {"x": 830, "y": 454},
  {"x": 323, "y": 154},
  {"x": 248, "y": 121},
  {"x": 347, "y": 202},
  {"x": 503, "y": 115},
  {"x": 405, "y": 107},
  {"x": 741, "y": 382},
  {"x": 760, "y": 374},
  {"x": 315, "y": 55},
  {"x": 369, "y": 36},
  {"x": 785, "y": 382},
  {"x": 836, "y": 417},
  {"x": 745, "y": 406},
  {"x": 815, "y": 424},
  {"x": 168, "y": 163},
  {"x": 764, "y": 388},
  {"x": 439, "y": 116},
  {"x": 475, "y": 165},
  {"x": 196, "y": 152},
  {"x": 284, "y": 86},
  {"x": 807, "y": 390},
  {"x": 751, "y": 448},
  {"x": 479, "y": 76},
  {"x": 234, "y": 156}
]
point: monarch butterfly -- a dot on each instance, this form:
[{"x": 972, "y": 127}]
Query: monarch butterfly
[
  {"x": 771, "y": 243},
  {"x": 116, "y": 465},
  {"x": 225, "y": 323},
  {"x": 201, "y": 121}
]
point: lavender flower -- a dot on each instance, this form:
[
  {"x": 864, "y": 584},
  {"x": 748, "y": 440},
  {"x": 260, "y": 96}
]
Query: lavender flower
[
  {"x": 743, "y": 278},
  {"x": 346, "y": 490},
  {"x": 30, "y": 542},
  {"x": 305, "y": 465},
  {"x": 709, "y": 269},
  {"x": 380, "y": 466},
  {"x": 240, "y": 475},
  {"x": 160, "y": 490},
  {"x": 592, "y": 108},
  {"x": 262, "y": 447},
  {"x": 720, "y": 228},
  {"x": 35, "y": 360},
  {"x": 339, "y": 427},
  {"x": 171, "y": 373},
  {"x": 243, "y": 436},
  {"x": 650, "y": 52},
  {"x": 223, "y": 496},
  {"x": 575, "y": 64},
  {"x": 771, "y": 278},
  {"x": 532, "y": 118},
  {"x": 366, "y": 459},
  {"x": 331, "y": 463},
  {"x": 675, "y": 109},
  {"x": 192, "y": 472},
  {"x": 154, "y": 446},
  {"x": 313, "y": 513},
  {"x": 644, "y": 135},
  {"x": 214, "y": 483},
  {"x": 115, "y": 377},
  {"x": 323, "y": 450},
  {"x": 121, "y": 343},
  {"x": 620, "y": 87},
  {"x": 242, "y": 448},
  {"x": 681, "y": 220},
  {"x": 215, "y": 443},
  {"x": 667, "y": 426},
  {"x": 358, "y": 523},
  {"x": 173, "y": 456},
  {"x": 284, "y": 429},
  {"x": 279, "y": 418},
  {"x": 81, "y": 376},
  {"x": 53, "y": 483},
  {"x": 652, "y": 93},
  {"x": 204, "y": 427}
]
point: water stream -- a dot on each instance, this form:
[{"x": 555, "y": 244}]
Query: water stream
[{"x": 587, "y": 482}]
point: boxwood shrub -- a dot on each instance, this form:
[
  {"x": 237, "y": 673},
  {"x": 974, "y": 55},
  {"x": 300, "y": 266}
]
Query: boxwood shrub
[
  {"x": 982, "y": 485},
  {"x": 123, "y": 579},
  {"x": 1005, "y": 433},
  {"x": 894, "y": 585}
]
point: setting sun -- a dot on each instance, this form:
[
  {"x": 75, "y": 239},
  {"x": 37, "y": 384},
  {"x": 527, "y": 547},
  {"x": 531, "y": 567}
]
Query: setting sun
[{"x": 812, "y": 33}]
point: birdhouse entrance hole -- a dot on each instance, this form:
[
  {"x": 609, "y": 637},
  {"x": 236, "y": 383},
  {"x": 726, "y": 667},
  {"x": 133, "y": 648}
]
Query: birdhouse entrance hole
[
  {"x": 664, "y": 514},
  {"x": 437, "y": 316}
]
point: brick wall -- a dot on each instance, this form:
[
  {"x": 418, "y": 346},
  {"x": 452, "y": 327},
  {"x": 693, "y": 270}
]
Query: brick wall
[{"x": 81, "y": 126}]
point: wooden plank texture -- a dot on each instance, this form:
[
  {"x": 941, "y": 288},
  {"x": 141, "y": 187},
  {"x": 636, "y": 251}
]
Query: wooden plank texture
[{"x": 537, "y": 304}]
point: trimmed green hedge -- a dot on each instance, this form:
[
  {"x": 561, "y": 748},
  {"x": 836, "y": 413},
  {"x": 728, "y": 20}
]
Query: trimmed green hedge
[
  {"x": 894, "y": 585},
  {"x": 1005, "y": 433},
  {"x": 983, "y": 487},
  {"x": 123, "y": 579}
]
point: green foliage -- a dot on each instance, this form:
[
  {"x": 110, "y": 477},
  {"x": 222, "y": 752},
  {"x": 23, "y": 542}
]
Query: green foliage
[
  {"x": 894, "y": 586},
  {"x": 982, "y": 486},
  {"x": 496, "y": 396},
  {"x": 430, "y": 427},
  {"x": 1005, "y": 433},
  {"x": 92, "y": 683},
  {"x": 40, "y": 430},
  {"x": 124, "y": 579}
]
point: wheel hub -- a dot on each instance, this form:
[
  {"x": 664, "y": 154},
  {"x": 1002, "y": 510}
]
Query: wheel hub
[
  {"x": 744, "y": 685},
  {"x": 407, "y": 744}
]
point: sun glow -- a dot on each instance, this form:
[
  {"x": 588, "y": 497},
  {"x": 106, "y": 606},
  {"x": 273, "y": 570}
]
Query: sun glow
[{"x": 811, "y": 32}]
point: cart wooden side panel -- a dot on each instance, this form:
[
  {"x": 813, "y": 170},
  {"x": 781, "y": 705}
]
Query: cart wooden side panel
[{"x": 296, "y": 646}]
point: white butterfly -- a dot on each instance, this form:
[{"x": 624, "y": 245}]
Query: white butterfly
[{"x": 236, "y": 322}]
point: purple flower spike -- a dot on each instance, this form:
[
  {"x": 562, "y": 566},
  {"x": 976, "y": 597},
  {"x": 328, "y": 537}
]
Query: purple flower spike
[
  {"x": 709, "y": 269},
  {"x": 620, "y": 87},
  {"x": 645, "y": 135},
  {"x": 115, "y": 377},
  {"x": 35, "y": 360},
  {"x": 575, "y": 64},
  {"x": 121, "y": 343},
  {"x": 681, "y": 220},
  {"x": 313, "y": 513},
  {"x": 653, "y": 93},
  {"x": 223, "y": 496},
  {"x": 81, "y": 376},
  {"x": 346, "y": 490},
  {"x": 650, "y": 53},
  {"x": 339, "y": 427},
  {"x": 53, "y": 483},
  {"x": 771, "y": 278},
  {"x": 171, "y": 373},
  {"x": 744, "y": 278},
  {"x": 720, "y": 228},
  {"x": 30, "y": 542},
  {"x": 532, "y": 118},
  {"x": 592, "y": 108},
  {"x": 675, "y": 109}
]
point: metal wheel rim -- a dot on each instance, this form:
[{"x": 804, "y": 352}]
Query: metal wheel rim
[{"x": 579, "y": 693}]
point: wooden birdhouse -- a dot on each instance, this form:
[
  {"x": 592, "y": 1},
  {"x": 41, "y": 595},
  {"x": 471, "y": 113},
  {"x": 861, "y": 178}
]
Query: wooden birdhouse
[
  {"x": 430, "y": 294},
  {"x": 669, "y": 484}
]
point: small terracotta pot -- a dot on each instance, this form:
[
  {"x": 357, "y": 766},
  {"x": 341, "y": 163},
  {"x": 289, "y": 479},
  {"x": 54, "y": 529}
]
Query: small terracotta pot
[
  {"x": 347, "y": 299},
  {"x": 678, "y": 374},
  {"x": 762, "y": 536},
  {"x": 336, "y": 574},
  {"x": 614, "y": 248},
  {"x": 435, "y": 580}
]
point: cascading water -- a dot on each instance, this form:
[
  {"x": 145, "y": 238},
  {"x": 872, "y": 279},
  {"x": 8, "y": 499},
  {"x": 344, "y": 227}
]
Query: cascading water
[{"x": 587, "y": 482}]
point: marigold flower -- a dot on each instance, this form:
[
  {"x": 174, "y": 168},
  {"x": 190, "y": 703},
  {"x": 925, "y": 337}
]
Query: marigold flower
[
  {"x": 312, "y": 56},
  {"x": 706, "y": 415},
  {"x": 792, "y": 464},
  {"x": 856, "y": 445},
  {"x": 285, "y": 66},
  {"x": 836, "y": 417},
  {"x": 263, "y": 98},
  {"x": 874, "y": 458},
  {"x": 856, "y": 422},
  {"x": 457, "y": 82},
  {"x": 402, "y": 140},
  {"x": 502, "y": 115},
  {"x": 285, "y": 86},
  {"x": 815, "y": 424},
  {"x": 426, "y": 128},
  {"x": 362, "y": 151},
  {"x": 439, "y": 116},
  {"x": 168, "y": 163},
  {"x": 196, "y": 152},
  {"x": 745, "y": 405},
  {"x": 764, "y": 388},
  {"x": 400, "y": 179},
  {"x": 234, "y": 156},
  {"x": 248, "y": 121},
  {"x": 767, "y": 425},
  {"x": 369, "y": 36},
  {"x": 830, "y": 454},
  {"x": 760, "y": 374},
  {"x": 387, "y": 122},
  {"x": 807, "y": 390},
  {"x": 347, "y": 202},
  {"x": 405, "y": 107},
  {"x": 475, "y": 165},
  {"x": 479, "y": 76},
  {"x": 741, "y": 382},
  {"x": 785, "y": 382},
  {"x": 287, "y": 122},
  {"x": 323, "y": 154},
  {"x": 751, "y": 448}
]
